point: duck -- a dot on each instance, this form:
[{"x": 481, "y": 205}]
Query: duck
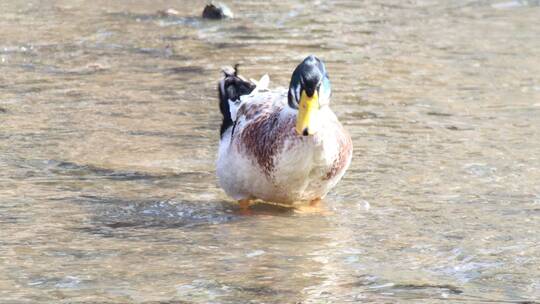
[{"x": 281, "y": 146}]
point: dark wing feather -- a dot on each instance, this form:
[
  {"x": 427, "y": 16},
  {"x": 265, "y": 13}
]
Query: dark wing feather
[{"x": 231, "y": 87}]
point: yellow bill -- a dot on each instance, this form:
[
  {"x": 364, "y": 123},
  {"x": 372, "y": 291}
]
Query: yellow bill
[{"x": 307, "y": 111}]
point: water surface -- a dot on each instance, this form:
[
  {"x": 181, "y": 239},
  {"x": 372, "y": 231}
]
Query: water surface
[{"x": 109, "y": 131}]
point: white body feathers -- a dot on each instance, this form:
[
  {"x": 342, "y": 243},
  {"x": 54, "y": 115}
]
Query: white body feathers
[{"x": 262, "y": 157}]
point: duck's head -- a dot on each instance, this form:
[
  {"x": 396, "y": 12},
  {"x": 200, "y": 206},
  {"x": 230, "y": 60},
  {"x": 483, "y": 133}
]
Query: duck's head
[{"x": 309, "y": 91}]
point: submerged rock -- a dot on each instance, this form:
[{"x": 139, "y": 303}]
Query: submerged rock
[
  {"x": 170, "y": 12},
  {"x": 216, "y": 11}
]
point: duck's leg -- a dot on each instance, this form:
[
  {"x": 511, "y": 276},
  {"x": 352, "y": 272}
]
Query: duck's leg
[
  {"x": 313, "y": 206},
  {"x": 244, "y": 203},
  {"x": 315, "y": 202},
  {"x": 244, "y": 206}
]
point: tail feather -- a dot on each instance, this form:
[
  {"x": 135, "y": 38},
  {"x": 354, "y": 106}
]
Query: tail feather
[{"x": 231, "y": 87}]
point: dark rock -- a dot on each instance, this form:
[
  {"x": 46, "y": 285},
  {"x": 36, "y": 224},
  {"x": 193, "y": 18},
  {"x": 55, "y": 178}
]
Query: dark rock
[
  {"x": 216, "y": 11},
  {"x": 2, "y": 110}
]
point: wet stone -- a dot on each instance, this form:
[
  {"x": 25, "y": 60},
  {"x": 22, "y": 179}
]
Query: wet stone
[{"x": 216, "y": 10}]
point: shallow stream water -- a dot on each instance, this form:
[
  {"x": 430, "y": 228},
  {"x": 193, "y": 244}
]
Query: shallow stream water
[{"x": 109, "y": 131}]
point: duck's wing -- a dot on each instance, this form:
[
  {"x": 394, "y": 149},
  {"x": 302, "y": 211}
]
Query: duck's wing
[
  {"x": 256, "y": 122},
  {"x": 230, "y": 88},
  {"x": 242, "y": 99}
]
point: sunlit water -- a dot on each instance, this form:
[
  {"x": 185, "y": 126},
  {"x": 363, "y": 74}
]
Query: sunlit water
[{"x": 109, "y": 131}]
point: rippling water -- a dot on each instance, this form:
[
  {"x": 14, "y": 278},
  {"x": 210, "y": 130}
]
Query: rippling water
[{"x": 109, "y": 130}]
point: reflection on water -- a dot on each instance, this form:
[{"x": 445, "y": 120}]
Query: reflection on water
[{"x": 109, "y": 130}]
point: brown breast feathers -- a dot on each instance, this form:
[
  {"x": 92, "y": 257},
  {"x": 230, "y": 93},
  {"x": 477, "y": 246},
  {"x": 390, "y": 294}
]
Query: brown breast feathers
[{"x": 264, "y": 137}]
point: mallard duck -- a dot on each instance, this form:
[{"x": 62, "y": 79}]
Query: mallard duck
[{"x": 280, "y": 146}]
